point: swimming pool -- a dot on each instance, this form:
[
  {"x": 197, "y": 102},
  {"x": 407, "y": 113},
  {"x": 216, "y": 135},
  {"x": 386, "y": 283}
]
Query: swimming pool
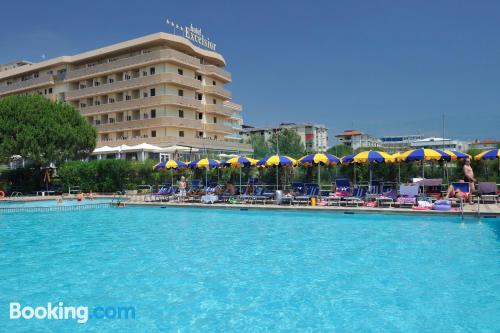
[
  {"x": 52, "y": 202},
  {"x": 215, "y": 270}
]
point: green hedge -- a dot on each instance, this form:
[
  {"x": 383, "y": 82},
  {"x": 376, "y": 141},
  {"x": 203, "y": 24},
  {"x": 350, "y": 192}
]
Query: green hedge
[{"x": 108, "y": 175}]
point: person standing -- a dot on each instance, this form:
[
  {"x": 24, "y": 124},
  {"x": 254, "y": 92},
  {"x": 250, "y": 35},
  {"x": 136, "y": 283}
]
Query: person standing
[
  {"x": 469, "y": 175},
  {"x": 182, "y": 189}
]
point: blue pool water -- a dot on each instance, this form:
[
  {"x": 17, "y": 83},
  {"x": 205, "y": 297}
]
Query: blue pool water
[
  {"x": 210, "y": 270},
  {"x": 52, "y": 202}
]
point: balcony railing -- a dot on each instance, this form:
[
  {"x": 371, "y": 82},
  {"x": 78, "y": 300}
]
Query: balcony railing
[
  {"x": 219, "y": 128},
  {"x": 43, "y": 80},
  {"x": 220, "y": 73},
  {"x": 183, "y": 102},
  {"x": 165, "y": 141},
  {"x": 217, "y": 91},
  {"x": 135, "y": 83},
  {"x": 133, "y": 62},
  {"x": 217, "y": 109},
  {"x": 150, "y": 123}
]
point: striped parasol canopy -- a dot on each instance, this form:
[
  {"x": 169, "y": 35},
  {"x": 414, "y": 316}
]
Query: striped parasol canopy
[
  {"x": 319, "y": 159},
  {"x": 424, "y": 154},
  {"x": 170, "y": 164},
  {"x": 457, "y": 155},
  {"x": 347, "y": 159},
  {"x": 204, "y": 163},
  {"x": 488, "y": 155},
  {"x": 240, "y": 161},
  {"x": 276, "y": 160},
  {"x": 372, "y": 156}
]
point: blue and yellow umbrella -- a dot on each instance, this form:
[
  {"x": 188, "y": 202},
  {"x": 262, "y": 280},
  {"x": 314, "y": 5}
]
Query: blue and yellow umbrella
[
  {"x": 347, "y": 159},
  {"x": 204, "y": 163},
  {"x": 457, "y": 155},
  {"x": 276, "y": 160},
  {"x": 424, "y": 154},
  {"x": 319, "y": 159},
  {"x": 171, "y": 165},
  {"x": 369, "y": 157},
  {"x": 240, "y": 161},
  {"x": 488, "y": 155}
]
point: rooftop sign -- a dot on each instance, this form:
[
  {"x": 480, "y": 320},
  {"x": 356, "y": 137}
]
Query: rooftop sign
[{"x": 193, "y": 34}]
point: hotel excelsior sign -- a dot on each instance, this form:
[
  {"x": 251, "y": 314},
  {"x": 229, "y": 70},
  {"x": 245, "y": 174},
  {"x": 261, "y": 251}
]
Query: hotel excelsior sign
[{"x": 193, "y": 34}]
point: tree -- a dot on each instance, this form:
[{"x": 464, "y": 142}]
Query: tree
[
  {"x": 43, "y": 131},
  {"x": 259, "y": 145},
  {"x": 288, "y": 143},
  {"x": 340, "y": 150}
]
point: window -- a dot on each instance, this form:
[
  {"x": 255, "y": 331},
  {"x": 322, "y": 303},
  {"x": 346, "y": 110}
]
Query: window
[
  {"x": 214, "y": 83},
  {"x": 200, "y": 97},
  {"x": 180, "y": 71},
  {"x": 200, "y": 134},
  {"x": 152, "y": 71},
  {"x": 111, "y": 80},
  {"x": 152, "y": 92},
  {"x": 82, "y": 105},
  {"x": 214, "y": 101},
  {"x": 181, "y": 113},
  {"x": 215, "y": 120},
  {"x": 50, "y": 90},
  {"x": 35, "y": 75},
  {"x": 111, "y": 100},
  {"x": 153, "y": 113},
  {"x": 181, "y": 134},
  {"x": 153, "y": 134},
  {"x": 200, "y": 115},
  {"x": 215, "y": 137},
  {"x": 180, "y": 92},
  {"x": 199, "y": 77},
  {"x": 128, "y": 98},
  {"x": 127, "y": 77},
  {"x": 144, "y": 73}
]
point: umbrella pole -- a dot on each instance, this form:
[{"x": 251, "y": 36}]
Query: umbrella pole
[
  {"x": 319, "y": 177},
  {"x": 206, "y": 178},
  {"x": 172, "y": 175},
  {"x": 277, "y": 178},
  {"x": 240, "y": 179}
]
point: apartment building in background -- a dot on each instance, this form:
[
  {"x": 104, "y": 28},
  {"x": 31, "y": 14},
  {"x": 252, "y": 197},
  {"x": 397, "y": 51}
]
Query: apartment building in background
[
  {"x": 159, "y": 89},
  {"x": 313, "y": 136},
  {"x": 357, "y": 139}
]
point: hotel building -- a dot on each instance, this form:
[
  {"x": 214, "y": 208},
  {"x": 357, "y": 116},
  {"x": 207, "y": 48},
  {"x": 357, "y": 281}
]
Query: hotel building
[
  {"x": 158, "y": 89},
  {"x": 313, "y": 136}
]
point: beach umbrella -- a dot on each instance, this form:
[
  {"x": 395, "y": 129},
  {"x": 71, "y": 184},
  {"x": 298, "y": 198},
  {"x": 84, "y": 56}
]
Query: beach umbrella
[
  {"x": 488, "y": 155},
  {"x": 346, "y": 160},
  {"x": 170, "y": 165},
  {"x": 204, "y": 163},
  {"x": 276, "y": 161},
  {"x": 424, "y": 154},
  {"x": 240, "y": 162},
  {"x": 457, "y": 155},
  {"x": 371, "y": 157},
  {"x": 319, "y": 160}
]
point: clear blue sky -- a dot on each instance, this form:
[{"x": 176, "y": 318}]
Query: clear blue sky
[{"x": 384, "y": 67}]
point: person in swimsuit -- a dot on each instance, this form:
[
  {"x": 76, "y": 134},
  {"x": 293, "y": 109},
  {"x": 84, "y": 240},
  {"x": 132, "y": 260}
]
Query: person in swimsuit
[
  {"x": 469, "y": 175},
  {"x": 182, "y": 189}
]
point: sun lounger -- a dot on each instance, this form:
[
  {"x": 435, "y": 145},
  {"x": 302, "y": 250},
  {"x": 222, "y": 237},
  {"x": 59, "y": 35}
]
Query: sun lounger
[
  {"x": 341, "y": 189},
  {"x": 407, "y": 195},
  {"x": 387, "y": 199},
  {"x": 357, "y": 198},
  {"x": 464, "y": 188},
  {"x": 488, "y": 192},
  {"x": 312, "y": 190}
]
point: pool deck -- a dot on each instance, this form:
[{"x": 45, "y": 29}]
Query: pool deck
[{"x": 492, "y": 210}]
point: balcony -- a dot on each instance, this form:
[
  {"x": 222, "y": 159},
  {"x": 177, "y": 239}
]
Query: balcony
[
  {"x": 218, "y": 72},
  {"x": 218, "y": 109},
  {"x": 220, "y": 128},
  {"x": 134, "y": 62},
  {"x": 131, "y": 125},
  {"x": 217, "y": 91},
  {"x": 16, "y": 87},
  {"x": 138, "y": 103},
  {"x": 136, "y": 83},
  {"x": 165, "y": 141}
]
